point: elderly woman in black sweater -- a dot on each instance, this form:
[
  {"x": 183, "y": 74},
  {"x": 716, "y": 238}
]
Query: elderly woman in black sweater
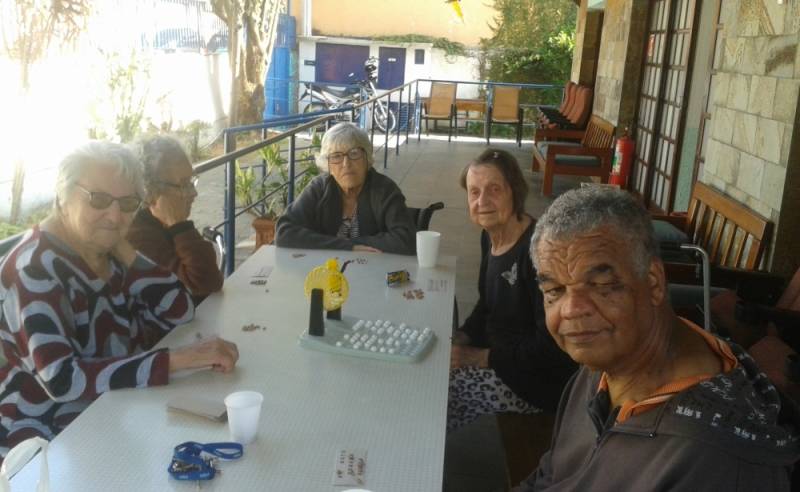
[
  {"x": 503, "y": 359},
  {"x": 352, "y": 206}
]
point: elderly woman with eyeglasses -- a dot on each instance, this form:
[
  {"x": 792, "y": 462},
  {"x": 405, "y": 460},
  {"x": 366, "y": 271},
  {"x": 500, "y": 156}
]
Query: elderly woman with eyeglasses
[
  {"x": 352, "y": 206},
  {"x": 80, "y": 306},
  {"x": 161, "y": 229}
]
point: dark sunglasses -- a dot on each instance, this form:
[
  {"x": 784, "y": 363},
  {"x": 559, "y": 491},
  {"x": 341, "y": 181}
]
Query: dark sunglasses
[{"x": 101, "y": 201}]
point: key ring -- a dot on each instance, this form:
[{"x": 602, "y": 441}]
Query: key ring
[{"x": 190, "y": 459}]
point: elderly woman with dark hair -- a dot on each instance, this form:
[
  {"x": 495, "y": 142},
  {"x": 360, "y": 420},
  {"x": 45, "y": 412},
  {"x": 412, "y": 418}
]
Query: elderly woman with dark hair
[
  {"x": 503, "y": 359},
  {"x": 161, "y": 229},
  {"x": 80, "y": 305},
  {"x": 352, "y": 206}
]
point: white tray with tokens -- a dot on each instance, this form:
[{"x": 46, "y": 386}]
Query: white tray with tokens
[{"x": 374, "y": 339}]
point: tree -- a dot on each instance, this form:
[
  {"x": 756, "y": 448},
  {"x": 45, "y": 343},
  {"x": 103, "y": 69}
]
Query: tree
[
  {"x": 28, "y": 27},
  {"x": 532, "y": 42},
  {"x": 256, "y": 23}
]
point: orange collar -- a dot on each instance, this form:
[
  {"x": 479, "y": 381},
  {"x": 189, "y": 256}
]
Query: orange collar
[{"x": 630, "y": 408}]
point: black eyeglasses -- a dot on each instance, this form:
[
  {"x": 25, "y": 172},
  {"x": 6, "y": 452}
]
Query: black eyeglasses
[
  {"x": 354, "y": 154},
  {"x": 184, "y": 188},
  {"x": 101, "y": 201}
]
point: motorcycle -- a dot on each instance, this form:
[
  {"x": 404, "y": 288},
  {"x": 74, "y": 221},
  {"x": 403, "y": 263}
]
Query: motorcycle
[{"x": 322, "y": 98}]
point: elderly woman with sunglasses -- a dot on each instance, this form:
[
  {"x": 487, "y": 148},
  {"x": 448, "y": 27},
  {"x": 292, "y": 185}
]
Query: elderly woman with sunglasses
[
  {"x": 161, "y": 230},
  {"x": 352, "y": 207},
  {"x": 80, "y": 306}
]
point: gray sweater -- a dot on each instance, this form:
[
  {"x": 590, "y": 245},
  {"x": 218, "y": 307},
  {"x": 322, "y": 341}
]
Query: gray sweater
[
  {"x": 313, "y": 220},
  {"x": 720, "y": 434}
]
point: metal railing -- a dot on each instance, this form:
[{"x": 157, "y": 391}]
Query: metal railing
[{"x": 359, "y": 113}]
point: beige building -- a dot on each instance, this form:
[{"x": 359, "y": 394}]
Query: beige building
[{"x": 379, "y": 18}]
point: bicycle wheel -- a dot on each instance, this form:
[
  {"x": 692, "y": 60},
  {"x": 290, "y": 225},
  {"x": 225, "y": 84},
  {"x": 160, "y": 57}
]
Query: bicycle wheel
[{"x": 384, "y": 117}]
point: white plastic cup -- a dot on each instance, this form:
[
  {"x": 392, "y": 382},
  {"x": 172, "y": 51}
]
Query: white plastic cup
[
  {"x": 244, "y": 410},
  {"x": 428, "y": 248}
]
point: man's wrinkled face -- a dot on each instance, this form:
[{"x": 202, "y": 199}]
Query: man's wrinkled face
[{"x": 598, "y": 309}]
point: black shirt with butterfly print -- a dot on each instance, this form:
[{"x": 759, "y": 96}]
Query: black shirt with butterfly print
[{"x": 509, "y": 320}]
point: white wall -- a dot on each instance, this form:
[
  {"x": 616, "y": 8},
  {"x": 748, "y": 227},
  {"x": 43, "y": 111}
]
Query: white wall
[{"x": 437, "y": 64}]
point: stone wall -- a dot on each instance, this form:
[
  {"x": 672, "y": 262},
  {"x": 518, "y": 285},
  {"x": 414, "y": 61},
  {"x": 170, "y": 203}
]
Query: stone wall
[
  {"x": 587, "y": 45},
  {"x": 754, "y": 110},
  {"x": 619, "y": 61}
]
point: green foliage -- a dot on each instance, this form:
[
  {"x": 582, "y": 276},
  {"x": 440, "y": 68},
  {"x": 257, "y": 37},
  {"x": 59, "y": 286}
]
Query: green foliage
[
  {"x": 8, "y": 230},
  {"x": 532, "y": 42},
  {"x": 251, "y": 188}
]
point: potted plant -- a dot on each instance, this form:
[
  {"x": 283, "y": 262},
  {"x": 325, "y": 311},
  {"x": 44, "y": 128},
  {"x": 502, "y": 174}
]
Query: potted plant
[{"x": 251, "y": 188}]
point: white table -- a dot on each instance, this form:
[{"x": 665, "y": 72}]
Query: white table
[{"x": 315, "y": 403}]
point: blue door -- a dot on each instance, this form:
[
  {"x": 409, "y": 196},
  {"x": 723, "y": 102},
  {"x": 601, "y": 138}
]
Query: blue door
[
  {"x": 335, "y": 62},
  {"x": 391, "y": 67}
]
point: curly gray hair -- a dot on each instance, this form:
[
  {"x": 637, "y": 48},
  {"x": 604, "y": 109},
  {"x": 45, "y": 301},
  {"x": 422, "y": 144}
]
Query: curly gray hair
[
  {"x": 582, "y": 210},
  {"x": 344, "y": 135},
  {"x": 157, "y": 152},
  {"x": 97, "y": 153}
]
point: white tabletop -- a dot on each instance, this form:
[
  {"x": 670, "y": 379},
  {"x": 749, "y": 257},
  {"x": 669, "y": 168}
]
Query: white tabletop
[{"x": 315, "y": 403}]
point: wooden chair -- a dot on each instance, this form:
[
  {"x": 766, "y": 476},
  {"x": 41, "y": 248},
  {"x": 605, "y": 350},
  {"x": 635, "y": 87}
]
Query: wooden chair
[
  {"x": 505, "y": 110},
  {"x": 570, "y": 125},
  {"x": 548, "y": 112},
  {"x": 733, "y": 235},
  {"x": 590, "y": 157},
  {"x": 441, "y": 106}
]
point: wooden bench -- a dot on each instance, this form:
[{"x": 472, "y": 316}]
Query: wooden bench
[
  {"x": 733, "y": 235},
  {"x": 590, "y": 157}
]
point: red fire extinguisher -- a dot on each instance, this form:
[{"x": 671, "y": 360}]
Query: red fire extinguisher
[{"x": 623, "y": 158}]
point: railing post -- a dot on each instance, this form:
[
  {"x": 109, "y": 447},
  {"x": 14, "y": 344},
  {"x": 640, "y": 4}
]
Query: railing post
[
  {"x": 290, "y": 191},
  {"x": 386, "y": 130},
  {"x": 372, "y": 122},
  {"x": 408, "y": 113},
  {"x": 417, "y": 109},
  {"x": 230, "y": 206},
  {"x": 397, "y": 121}
]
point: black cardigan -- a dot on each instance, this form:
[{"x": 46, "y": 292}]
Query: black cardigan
[
  {"x": 522, "y": 352},
  {"x": 312, "y": 221}
]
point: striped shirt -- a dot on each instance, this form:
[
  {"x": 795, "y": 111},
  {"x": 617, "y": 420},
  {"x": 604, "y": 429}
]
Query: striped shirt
[
  {"x": 69, "y": 336},
  {"x": 349, "y": 227}
]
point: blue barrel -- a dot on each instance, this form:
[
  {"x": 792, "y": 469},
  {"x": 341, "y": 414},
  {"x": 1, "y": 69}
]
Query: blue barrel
[{"x": 276, "y": 87}]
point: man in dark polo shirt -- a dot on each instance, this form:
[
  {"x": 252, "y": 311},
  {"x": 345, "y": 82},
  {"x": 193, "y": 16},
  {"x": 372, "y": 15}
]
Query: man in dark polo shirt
[{"x": 658, "y": 403}]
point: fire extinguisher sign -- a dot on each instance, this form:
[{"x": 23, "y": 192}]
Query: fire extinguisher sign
[{"x": 616, "y": 163}]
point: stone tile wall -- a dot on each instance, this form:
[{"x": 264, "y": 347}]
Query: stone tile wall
[
  {"x": 754, "y": 98},
  {"x": 619, "y": 61}
]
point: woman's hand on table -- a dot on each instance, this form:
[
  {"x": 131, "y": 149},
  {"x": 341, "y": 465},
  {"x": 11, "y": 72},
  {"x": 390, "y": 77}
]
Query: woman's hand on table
[
  {"x": 366, "y": 249},
  {"x": 464, "y": 355},
  {"x": 217, "y": 353}
]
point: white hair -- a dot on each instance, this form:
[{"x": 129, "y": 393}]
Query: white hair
[
  {"x": 344, "y": 135},
  {"x": 583, "y": 210},
  {"x": 98, "y": 153}
]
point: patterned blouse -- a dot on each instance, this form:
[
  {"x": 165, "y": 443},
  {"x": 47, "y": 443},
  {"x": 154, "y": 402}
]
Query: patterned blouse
[
  {"x": 69, "y": 336},
  {"x": 349, "y": 227}
]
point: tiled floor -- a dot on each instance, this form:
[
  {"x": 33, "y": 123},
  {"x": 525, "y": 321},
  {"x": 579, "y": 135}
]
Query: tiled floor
[{"x": 428, "y": 172}]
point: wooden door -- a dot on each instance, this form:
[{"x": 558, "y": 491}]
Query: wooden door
[
  {"x": 705, "y": 117},
  {"x": 663, "y": 97}
]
